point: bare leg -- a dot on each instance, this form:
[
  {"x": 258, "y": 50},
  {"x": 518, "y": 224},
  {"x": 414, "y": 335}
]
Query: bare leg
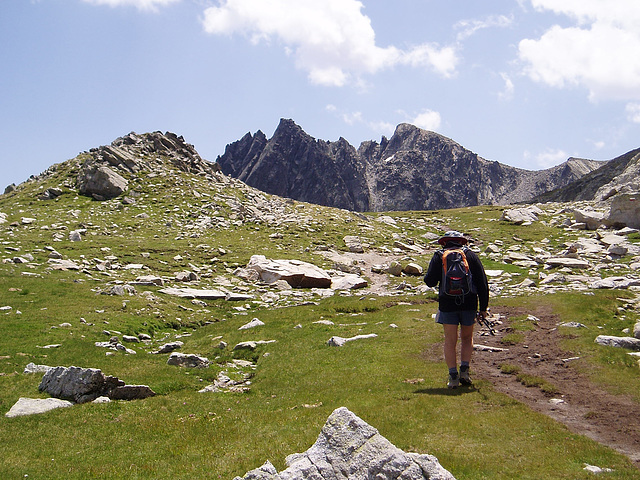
[
  {"x": 450, "y": 344},
  {"x": 466, "y": 343}
]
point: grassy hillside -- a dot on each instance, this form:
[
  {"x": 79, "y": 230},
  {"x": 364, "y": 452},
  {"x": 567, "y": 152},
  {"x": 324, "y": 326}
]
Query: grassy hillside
[{"x": 180, "y": 222}]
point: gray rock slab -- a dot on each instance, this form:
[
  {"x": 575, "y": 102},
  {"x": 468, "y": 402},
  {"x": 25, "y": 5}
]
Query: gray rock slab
[
  {"x": 210, "y": 294},
  {"x": 190, "y": 360},
  {"x": 349, "y": 448},
  {"x": 567, "y": 262},
  {"x": 32, "y": 406},
  {"x": 630, "y": 343},
  {"x": 298, "y": 274},
  {"x": 336, "y": 341}
]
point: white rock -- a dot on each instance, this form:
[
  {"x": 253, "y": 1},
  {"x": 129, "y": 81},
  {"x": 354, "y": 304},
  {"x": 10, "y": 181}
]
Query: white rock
[
  {"x": 336, "y": 341},
  {"x": 31, "y": 406},
  {"x": 252, "y": 324}
]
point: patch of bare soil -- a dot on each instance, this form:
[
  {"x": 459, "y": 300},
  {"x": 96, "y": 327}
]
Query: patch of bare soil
[{"x": 586, "y": 408}]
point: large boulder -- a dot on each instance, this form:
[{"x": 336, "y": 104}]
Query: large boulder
[
  {"x": 591, "y": 218},
  {"x": 349, "y": 448},
  {"x": 625, "y": 210},
  {"x": 101, "y": 182},
  {"x": 82, "y": 385},
  {"x": 295, "y": 272}
]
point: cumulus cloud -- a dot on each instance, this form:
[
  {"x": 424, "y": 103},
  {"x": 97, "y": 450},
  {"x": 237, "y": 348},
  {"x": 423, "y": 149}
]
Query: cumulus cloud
[
  {"x": 427, "y": 120},
  {"x": 331, "y": 40},
  {"x": 599, "y": 52},
  {"x": 139, "y": 4}
]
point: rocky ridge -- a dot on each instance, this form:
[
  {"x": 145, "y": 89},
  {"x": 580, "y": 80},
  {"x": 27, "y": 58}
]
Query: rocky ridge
[{"x": 413, "y": 170}]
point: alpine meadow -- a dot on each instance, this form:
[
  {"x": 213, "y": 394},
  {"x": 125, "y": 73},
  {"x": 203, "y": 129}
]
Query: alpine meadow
[{"x": 236, "y": 322}]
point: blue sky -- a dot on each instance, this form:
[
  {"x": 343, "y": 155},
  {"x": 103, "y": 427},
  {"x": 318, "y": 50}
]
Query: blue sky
[{"x": 528, "y": 83}]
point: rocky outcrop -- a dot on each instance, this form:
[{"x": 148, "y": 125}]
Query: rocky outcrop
[
  {"x": 616, "y": 176},
  {"x": 82, "y": 385},
  {"x": 625, "y": 210},
  {"x": 348, "y": 447},
  {"x": 102, "y": 173},
  {"x": 293, "y": 164},
  {"x": 413, "y": 170}
]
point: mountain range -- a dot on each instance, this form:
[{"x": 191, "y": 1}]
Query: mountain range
[{"x": 415, "y": 169}]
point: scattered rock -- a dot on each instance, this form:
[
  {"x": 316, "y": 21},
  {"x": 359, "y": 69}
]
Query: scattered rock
[
  {"x": 252, "y": 324},
  {"x": 348, "y": 282},
  {"x": 354, "y": 244},
  {"x": 591, "y": 218},
  {"x": 298, "y": 274},
  {"x": 210, "y": 294},
  {"x": 100, "y": 182},
  {"x": 412, "y": 269},
  {"x": 31, "y": 406},
  {"x": 130, "y": 392},
  {"x": 82, "y": 385},
  {"x": 520, "y": 216},
  {"x": 33, "y": 368},
  {"x": 567, "y": 262},
  {"x": 170, "y": 347},
  {"x": 336, "y": 341},
  {"x": 187, "y": 360},
  {"x": 630, "y": 343},
  {"x": 149, "y": 280},
  {"x": 625, "y": 210},
  {"x": 348, "y": 447},
  {"x": 252, "y": 344}
]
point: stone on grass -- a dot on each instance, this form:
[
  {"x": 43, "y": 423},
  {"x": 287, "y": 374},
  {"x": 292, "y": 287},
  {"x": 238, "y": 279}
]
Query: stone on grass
[
  {"x": 348, "y": 282},
  {"x": 620, "y": 342},
  {"x": 169, "y": 347},
  {"x": 33, "y": 368},
  {"x": 189, "y": 360},
  {"x": 350, "y": 448},
  {"x": 31, "y": 406},
  {"x": 252, "y": 324},
  {"x": 298, "y": 274},
  {"x": 336, "y": 341},
  {"x": 252, "y": 344},
  {"x": 210, "y": 294}
]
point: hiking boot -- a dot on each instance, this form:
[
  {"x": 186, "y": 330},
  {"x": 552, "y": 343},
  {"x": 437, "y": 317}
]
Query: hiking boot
[
  {"x": 454, "y": 381},
  {"x": 465, "y": 379}
]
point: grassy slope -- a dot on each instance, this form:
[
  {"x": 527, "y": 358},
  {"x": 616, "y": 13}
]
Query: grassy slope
[{"x": 180, "y": 433}]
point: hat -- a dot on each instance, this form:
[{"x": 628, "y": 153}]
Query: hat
[{"x": 452, "y": 236}]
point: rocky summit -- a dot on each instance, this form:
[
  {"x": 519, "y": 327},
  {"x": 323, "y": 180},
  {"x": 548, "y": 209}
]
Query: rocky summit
[{"x": 413, "y": 170}]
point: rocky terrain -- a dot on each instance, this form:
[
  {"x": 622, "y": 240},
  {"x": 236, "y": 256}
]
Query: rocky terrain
[
  {"x": 145, "y": 220},
  {"x": 413, "y": 170}
]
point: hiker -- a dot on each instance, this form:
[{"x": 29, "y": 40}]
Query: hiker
[{"x": 458, "y": 299}]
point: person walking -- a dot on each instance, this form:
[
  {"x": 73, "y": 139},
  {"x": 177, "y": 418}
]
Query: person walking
[{"x": 463, "y": 294}]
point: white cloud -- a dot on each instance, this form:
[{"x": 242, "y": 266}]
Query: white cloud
[
  {"x": 331, "y": 40},
  {"x": 546, "y": 159},
  {"x": 139, "y": 4},
  {"x": 427, "y": 120},
  {"x": 470, "y": 27},
  {"x": 599, "y": 53},
  {"x": 633, "y": 112},
  {"x": 509, "y": 88}
]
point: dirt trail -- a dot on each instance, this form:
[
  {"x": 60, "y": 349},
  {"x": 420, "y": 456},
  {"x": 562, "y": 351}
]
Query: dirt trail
[{"x": 586, "y": 408}]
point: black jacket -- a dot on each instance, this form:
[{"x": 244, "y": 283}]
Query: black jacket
[{"x": 479, "y": 278}]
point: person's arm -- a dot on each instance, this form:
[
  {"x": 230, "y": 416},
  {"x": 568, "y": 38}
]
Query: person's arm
[
  {"x": 434, "y": 271},
  {"x": 480, "y": 281}
]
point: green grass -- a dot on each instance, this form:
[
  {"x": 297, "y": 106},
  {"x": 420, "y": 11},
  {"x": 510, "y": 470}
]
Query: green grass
[{"x": 299, "y": 380}]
